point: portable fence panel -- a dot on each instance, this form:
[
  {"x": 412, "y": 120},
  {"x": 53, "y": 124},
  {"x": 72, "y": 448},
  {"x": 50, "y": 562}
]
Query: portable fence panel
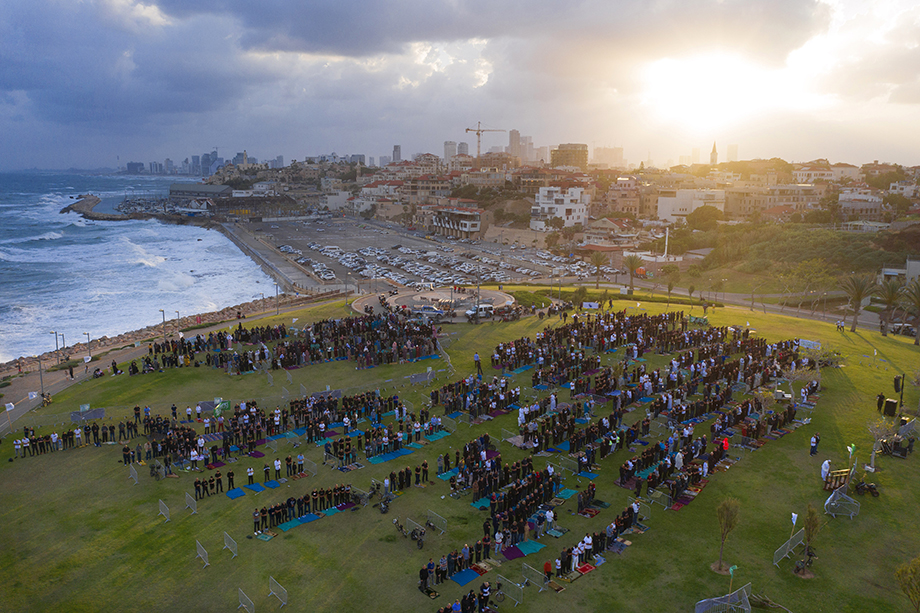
[
  {"x": 277, "y": 591},
  {"x": 838, "y": 503},
  {"x": 437, "y": 521},
  {"x": 534, "y": 576},
  {"x": 661, "y": 497},
  {"x": 645, "y": 509},
  {"x": 230, "y": 544},
  {"x": 271, "y": 380},
  {"x": 736, "y": 601},
  {"x": 465, "y": 418},
  {"x": 309, "y": 466},
  {"x": 569, "y": 464},
  {"x": 273, "y": 445},
  {"x": 290, "y": 380},
  {"x": 788, "y": 547},
  {"x": 284, "y": 392},
  {"x": 202, "y": 553},
  {"x": 557, "y": 470},
  {"x": 164, "y": 510},
  {"x": 246, "y": 603},
  {"x": 191, "y": 503},
  {"x": 411, "y": 525},
  {"x": 132, "y": 473},
  {"x": 360, "y": 496},
  {"x": 449, "y": 424},
  {"x": 512, "y": 590},
  {"x": 303, "y": 390}
]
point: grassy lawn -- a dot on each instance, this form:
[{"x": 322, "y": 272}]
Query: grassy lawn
[{"x": 79, "y": 536}]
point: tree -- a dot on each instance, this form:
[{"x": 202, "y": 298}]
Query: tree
[
  {"x": 704, "y": 218},
  {"x": 598, "y": 259},
  {"x": 813, "y": 525},
  {"x": 556, "y": 222},
  {"x": 632, "y": 262},
  {"x": 580, "y": 295},
  {"x": 552, "y": 239},
  {"x": 910, "y": 297},
  {"x": 908, "y": 576},
  {"x": 889, "y": 293},
  {"x": 858, "y": 288},
  {"x": 670, "y": 289},
  {"x": 690, "y": 291},
  {"x": 727, "y": 512},
  {"x": 900, "y": 202},
  {"x": 881, "y": 428}
]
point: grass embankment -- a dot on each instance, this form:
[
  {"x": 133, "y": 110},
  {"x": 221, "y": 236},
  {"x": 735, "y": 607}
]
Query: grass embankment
[{"x": 79, "y": 535}]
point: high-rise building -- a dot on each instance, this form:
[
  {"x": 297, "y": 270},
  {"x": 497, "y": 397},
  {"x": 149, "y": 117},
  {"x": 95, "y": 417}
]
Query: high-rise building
[
  {"x": 570, "y": 154},
  {"x": 713, "y": 155},
  {"x": 450, "y": 150},
  {"x": 514, "y": 143},
  {"x": 695, "y": 155},
  {"x": 384, "y": 161},
  {"x": 732, "y": 153},
  {"x": 397, "y": 153},
  {"x": 463, "y": 148},
  {"x": 612, "y": 156},
  {"x": 196, "y": 165},
  {"x": 370, "y": 161}
]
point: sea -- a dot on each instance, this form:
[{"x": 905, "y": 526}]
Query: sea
[{"x": 60, "y": 273}]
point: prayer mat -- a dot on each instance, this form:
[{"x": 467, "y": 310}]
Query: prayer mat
[
  {"x": 414, "y": 446},
  {"x": 677, "y": 506},
  {"x": 566, "y": 494},
  {"x": 235, "y": 493},
  {"x": 351, "y": 467},
  {"x": 645, "y": 399},
  {"x": 480, "y": 569},
  {"x": 282, "y": 480},
  {"x": 431, "y": 593},
  {"x": 587, "y": 475},
  {"x": 599, "y": 560},
  {"x": 265, "y": 537},
  {"x": 464, "y": 576},
  {"x": 256, "y": 454},
  {"x": 255, "y": 487},
  {"x": 617, "y": 547},
  {"x": 518, "y": 371},
  {"x": 556, "y": 587},
  {"x": 557, "y": 501},
  {"x": 543, "y": 454},
  {"x": 447, "y": 474},
  {"x": 454, "y": 415},
  {"x": 437, "y": 435},
  {"x": 589, "y": 513},
  {"x": 345, "y": 506},
  {"x": 216, "y": 465},
  {"x": 629, "y": 485},
  {"x": 640, "y": 442},
  {"x": 640, "y": 528},
  {"x": 556, "y": 532},
  {"x": 482, "y": 504},
  {"x": 288, "y": 525},
  {"x": 600, "y": 504},
  {"x": 512, "y": 553},
  {"x": 331, "y": 511},
  {"x": 306, "y": 519},
  {"x": 498, "y": 413},
  {"x": 272, "y": 484},
  {"x": 582, "y": 421},
  {"x": 541, "y": 387},
  {"x": 572, "y": 576},
  {"x": 492, "y": 454},
  {"x": 529, "y": 547},
  {"x": 331, "y": 434}
]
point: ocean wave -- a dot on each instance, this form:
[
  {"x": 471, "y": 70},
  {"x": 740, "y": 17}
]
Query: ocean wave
[
  {"x": 47, "y": 236},
  {"x": 176, "y": 283}
]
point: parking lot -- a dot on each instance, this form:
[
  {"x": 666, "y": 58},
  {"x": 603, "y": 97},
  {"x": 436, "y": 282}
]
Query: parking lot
[{"x": 374, "y": 255}]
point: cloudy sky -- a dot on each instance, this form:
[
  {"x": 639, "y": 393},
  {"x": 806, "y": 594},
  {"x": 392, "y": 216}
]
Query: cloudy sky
[{"x": 100, "y": 82}]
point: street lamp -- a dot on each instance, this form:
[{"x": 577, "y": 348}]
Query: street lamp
[
  {"x": 56, "y": 345},
  {"x": 178, "y": 331},
  {"x": 277, "y": 304},
  {"x": 164, "y": 325},
  {"x": 41, "y": 379},
  {"x": 89, "y": 347},
  {"x": 63, "y": 345}
]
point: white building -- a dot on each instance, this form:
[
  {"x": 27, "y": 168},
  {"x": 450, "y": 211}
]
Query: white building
[
  {"x": 335, "y": 201},
  {"x": 845, "y": 172},
  {"x": 676, "y": 204},
  {"x": 570, "y": 205},
  {"x": 908, "y": 189}
]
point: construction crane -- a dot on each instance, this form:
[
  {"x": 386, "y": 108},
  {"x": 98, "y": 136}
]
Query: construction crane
[{"x": 479, "y": 130}]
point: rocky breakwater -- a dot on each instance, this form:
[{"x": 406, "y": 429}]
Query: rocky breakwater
[{"x": 84, "y": 206}]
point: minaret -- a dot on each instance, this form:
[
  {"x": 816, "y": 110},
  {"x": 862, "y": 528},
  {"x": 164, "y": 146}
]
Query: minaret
[{"x": 714, "y": 156}]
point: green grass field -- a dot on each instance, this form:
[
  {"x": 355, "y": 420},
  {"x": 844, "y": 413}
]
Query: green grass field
[{"x": 79, "y": 536}]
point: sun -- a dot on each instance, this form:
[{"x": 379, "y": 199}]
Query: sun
[{"x": 705, "y": 93}]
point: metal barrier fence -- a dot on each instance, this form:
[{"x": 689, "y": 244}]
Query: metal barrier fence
[
  {"x": 449, "y": 424},
  {"x": 660, "y": 497},
  {"x": 736, "y": 601},
  {"x": 838, "y": 503},
  {"x": 191, "y": 503},
  {"x": 645, "y": 509},
  {"x": 512, "y": 590},
  {"x": 202, "y": 553},
  {"x": 164, "y": 511},
  {"x": 309, "y": 466},
  {"x": 464, "y": 418},
  {"x": 437, "y": 521},
  {"x": 246, "y": 603},
  {"x": 276, "y": 590},
  {"x": 284, "y": 393},
  {"x": 534, "y": 576},
  {"x": 132, "y": 473},
  {"x": 271, "y": 380},
  {"x": 411, "y": 525},
  {"x": 272, "y": 444},
  {"x": 360, "y": 496},
  {"x": 557, "y": 470},
  {"x": 568, "y": 464},
  {"x": 230, "y": 544},
  {"x": 290, "y": 380},
  {"x": 788, "y": 547}
]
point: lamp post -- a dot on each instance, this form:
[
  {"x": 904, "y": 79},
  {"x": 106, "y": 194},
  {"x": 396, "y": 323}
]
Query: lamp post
[
  {"x": 56, "y": 345},
  {"x": 824, "y": 295},
  {"x": 277, "y": 304},
  {"x": 63, "y": 346},
  {"x": 178, "y": 329},
  {"x": 89, "y": 348},
  {"x": 41, "y": 379},
  {"x": 164, "y": 325}
]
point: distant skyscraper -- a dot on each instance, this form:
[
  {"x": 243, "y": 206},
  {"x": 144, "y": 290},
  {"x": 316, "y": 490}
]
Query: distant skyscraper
[
  {"x": 397, "y": 153},
  {"x": 463, "y": 148},
  {"x": 384, "y": 160},
  {"x": 370, "y": 161},
  {"x": 612, "y": 156},
  {"x": 196, "y": 165},
  {"x": 695, "y": 156},
  {"x": 514, "y": 143},
  {"x": 732, "y": 153},
  {"x": 713, "y": 155},
  {"x": 570, "y": 154},
  {"x": 450, "y": 150}
]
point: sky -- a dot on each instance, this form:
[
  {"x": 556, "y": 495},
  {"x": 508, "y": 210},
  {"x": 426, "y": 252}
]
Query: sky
[{"x": 98, "y": 83}]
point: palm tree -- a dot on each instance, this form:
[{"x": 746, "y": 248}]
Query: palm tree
[
  {"x": 858, "y": 288},
  {"x": 632, "y": 262},
  {"x": 890, "y": 294},
  {"x": 910, "y": 297},
  {"x": 598, "y": 259}
]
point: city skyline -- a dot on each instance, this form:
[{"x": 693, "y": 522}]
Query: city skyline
[{"x": 102, "y": 83}]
